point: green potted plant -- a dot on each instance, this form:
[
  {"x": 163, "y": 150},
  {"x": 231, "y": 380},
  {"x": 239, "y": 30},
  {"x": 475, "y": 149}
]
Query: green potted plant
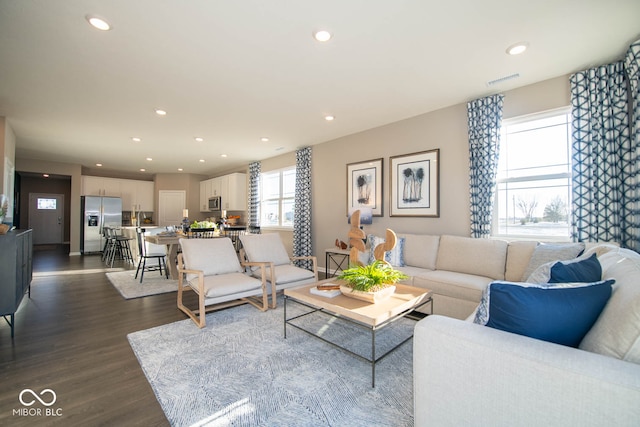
[{"x": 373, "y": 282}]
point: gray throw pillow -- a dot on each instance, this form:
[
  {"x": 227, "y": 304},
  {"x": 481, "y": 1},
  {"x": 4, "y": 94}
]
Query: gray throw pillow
[{"x": 547, "y": 252}]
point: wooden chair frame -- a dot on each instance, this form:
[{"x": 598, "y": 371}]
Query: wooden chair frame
[{"x": 198, "y": 316}]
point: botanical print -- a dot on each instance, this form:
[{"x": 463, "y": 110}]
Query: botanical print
[
  {"x": 364, "y": 190},
  {"x": 364, "y": 185},
  {"x": 413, "y": 194}
]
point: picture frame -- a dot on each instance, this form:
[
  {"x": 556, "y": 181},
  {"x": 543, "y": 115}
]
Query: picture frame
[
  {"x": 364, "y": 186},
  {"x": 415, "y": 184}
]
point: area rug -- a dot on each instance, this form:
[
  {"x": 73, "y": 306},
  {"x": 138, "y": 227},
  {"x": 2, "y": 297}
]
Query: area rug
[
  {"x": 239, "y": 370},
  {"x": 152, "y": 284}
]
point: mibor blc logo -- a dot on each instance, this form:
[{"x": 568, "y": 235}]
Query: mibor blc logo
[{"x": 28, "y": 398}]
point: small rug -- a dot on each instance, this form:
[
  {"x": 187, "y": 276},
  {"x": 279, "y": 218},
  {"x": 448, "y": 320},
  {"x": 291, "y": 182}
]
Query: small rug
[
  {"x": 239, "y": 370},
  {"x": 152, "y": 284}
]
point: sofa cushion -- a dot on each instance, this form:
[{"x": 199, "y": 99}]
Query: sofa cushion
[
  {"x": 547, "y": 252},
  {"x": 561, "y": 313},
  {"x": 586, "y": 268},
  {"x": 420, "y": 250},
  {"x": 456, "y": 285},
  {"x": 480, "y": 257},
  {"x": 395, "y": 256},
  {"x": 518, "y": 255},
  {"x": 617, "y": 331}
]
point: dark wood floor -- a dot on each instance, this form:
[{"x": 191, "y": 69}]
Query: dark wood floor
[{"x": 71, "y": 337}]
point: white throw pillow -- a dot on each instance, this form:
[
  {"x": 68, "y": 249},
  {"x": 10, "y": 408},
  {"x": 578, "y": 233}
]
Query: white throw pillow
[{"x": 547, "y": 252}]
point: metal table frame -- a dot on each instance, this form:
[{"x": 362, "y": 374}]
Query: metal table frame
[
  {"x": 373, "y": 329},
  {"x": 332, "y": 255}
]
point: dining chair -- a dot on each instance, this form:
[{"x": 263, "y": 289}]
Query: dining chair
[{"x": 150, "y": 251}]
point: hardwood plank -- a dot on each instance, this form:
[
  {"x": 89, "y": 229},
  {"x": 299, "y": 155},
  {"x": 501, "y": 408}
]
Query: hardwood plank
[{"x": 71, "y": 338}]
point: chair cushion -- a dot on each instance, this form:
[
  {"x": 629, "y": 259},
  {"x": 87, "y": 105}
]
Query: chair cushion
[
  {"x": 211, "y": 256},
  {"x": 558, "y": 313},
  {"x": 288, "y": 273},
  {"x": 229, "y": 284},
  {"x": 266, "y": 247}
]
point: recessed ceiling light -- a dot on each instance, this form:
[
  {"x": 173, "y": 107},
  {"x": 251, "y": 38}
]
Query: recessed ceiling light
[
  {"x": 98, "y": 22},
  {"x": 161, "y": 112},
  {"x": 46, "y": 175},
  {"x": 518, "y": 48},
  {"x": 99, "y": 165},
  {"x": 329, "y": 118},
  {"x": 136, "y": 139},
  {"x": 201, "y": 160},
  {"x": 143, "y": 170},
  {"x": 180, "y": 169},
  {"x": 197, "y": 138},
  {"x": 149, "y": 159},
  {"x": 322, "y": 35},
  {"x": 223, "y": 155},
  {"x": 264, "y": 139}
]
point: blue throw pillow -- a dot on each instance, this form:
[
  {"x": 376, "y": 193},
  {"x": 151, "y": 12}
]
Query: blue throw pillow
[
  {"x": 587, "y": 270},
  {"x": 395, "y": 257},
  {"x": 561, "y": 314}
]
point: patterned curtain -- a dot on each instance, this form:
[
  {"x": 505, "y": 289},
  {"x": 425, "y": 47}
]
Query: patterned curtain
[
  {"x": 485, "y": 119},
  {"x": 602, "y": 156},
  {"x": 632, "y": 67},
  {"x": 302, "y": 208},
  {"x": 253, "y": 204}
]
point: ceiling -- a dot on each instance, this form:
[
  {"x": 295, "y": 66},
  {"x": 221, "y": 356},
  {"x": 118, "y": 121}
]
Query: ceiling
[{"x": 232, "y": 72}]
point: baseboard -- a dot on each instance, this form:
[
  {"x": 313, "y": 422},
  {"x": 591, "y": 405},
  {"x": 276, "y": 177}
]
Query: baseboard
[{"x": 74, "y": 254}]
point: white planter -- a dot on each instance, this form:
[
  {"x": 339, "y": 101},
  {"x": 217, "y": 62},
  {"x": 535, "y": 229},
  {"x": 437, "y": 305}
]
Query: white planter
[{"x": 371, "y": 297}]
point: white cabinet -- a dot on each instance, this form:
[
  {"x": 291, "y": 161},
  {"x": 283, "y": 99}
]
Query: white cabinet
[
  {"x": 100, "y": 186},
  {"x": 231, "y": 188},
  {"x": 136, "y": 195},
  {"x": 234, "y": 192}
]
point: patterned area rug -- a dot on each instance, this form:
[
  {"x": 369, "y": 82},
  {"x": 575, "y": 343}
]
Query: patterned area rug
[
  {"x": 239, "y": 370},
  {"x": 152, "y": 284}
]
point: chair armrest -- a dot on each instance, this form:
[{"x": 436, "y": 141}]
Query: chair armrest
[
  {"x": 467, "y": 374},
  {"x": 199, "y": 273},
  {"x": 311, "y": 258}
]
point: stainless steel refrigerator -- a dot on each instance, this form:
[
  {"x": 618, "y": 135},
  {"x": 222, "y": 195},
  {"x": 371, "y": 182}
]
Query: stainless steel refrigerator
[{"x": 98, "y": 212}]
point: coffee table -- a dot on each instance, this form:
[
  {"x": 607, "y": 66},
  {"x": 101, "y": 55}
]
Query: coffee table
[{"x": 367, "y": 316}]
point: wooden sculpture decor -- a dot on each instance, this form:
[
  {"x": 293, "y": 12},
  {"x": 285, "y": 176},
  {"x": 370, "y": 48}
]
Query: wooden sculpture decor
[{"x": 357, "y": 237}]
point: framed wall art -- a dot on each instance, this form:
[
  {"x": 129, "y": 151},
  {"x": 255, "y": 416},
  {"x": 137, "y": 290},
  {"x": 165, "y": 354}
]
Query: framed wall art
[
  {"x": 415, "y": 184},
  {"x": 364, "y": 186}
]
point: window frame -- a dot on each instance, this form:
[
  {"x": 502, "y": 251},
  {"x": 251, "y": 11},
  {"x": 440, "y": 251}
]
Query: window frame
[
  {"x": 495, "y": 222},
  {"x": 280, "y": 198}
]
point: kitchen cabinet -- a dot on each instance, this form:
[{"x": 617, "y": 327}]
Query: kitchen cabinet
[
  {"x": 134, "y": 193},
  {"x": 231, "y": 188},
  {"x": 16, "y": 270},
  {"x": 234, "y": 192},
  {"x": 101, "y": 186}
]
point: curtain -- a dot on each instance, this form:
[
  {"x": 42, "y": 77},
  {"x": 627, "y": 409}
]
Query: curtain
[
  {"x": 602, "y": 156},
  {"x": 253, "y": 204},
  {"x": 302, "y": 245},
  {"x": 632, "y": 68},
  {"x": 485, "y": 119}
]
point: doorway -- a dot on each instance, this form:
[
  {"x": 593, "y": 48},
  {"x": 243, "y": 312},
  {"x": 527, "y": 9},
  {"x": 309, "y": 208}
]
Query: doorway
[
  {"x": 170, "y": 204},
  {"x": 46, "y": 218}
]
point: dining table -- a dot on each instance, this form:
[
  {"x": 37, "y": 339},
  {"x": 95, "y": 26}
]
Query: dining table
[{"x": 172, "y": 242}]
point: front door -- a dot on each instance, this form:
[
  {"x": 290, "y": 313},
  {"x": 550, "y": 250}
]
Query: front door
[{"x": 46, "y": 214}]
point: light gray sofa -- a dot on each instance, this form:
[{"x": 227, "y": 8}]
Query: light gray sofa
[
  {"x": 458, "y": 269},
  {"x": 468, "y": 374}
]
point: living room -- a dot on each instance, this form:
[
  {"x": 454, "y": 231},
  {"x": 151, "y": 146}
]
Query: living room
[{"x": 443, "y": 127}]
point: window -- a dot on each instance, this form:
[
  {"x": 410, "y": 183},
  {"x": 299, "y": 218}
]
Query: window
[
  {"x": 277, "y": 197},
  {"x": 534, "y": 177},
  {"x": 46, "y": 203}
]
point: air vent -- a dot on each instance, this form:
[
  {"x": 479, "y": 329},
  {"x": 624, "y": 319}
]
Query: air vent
[{"x": 503, "y": 79}]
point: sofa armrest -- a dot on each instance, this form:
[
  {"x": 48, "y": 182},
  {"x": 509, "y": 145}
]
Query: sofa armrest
[{"x": 467, "y": 374}]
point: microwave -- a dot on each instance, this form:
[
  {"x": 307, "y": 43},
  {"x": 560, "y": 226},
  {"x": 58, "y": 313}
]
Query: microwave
[{"x": 215, "y": 203}]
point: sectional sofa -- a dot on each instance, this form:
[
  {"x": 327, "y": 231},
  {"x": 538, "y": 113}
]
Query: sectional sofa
[
  {"x": 470, "y": 374},
  {"x": 458, "y": 269}
]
